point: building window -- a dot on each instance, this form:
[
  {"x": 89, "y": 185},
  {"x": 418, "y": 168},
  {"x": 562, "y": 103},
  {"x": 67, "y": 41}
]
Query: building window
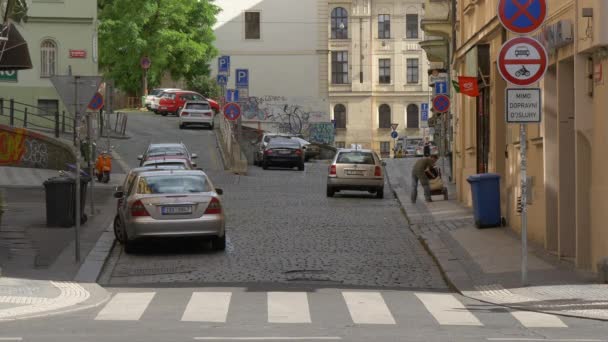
[
  {"x": 48, "y": 58},
  {"x": 48, "y": 107},
  {"x": 413, "y": 116},
  {"x": 411, "y": 26},
  {"x": 340, "y": 144},
  {"x": 339, "y": 23},
  {"x": 384, "y": 26},
  {"x": 340, "y": 116},
  {"x": 385, "y": 70},
  {"x": 385, "y": 149},
  {"x": 384, "y": 116},
  {"x": 252, "y": 25},
  {"x": 412, "y": 71},
  {"x": 339, "y": 67}
]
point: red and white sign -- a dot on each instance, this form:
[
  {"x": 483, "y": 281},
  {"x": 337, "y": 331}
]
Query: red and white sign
[
  {"x": 598, "y": 73},
  {"x": 522, "y": 61},
  {"x": 522, "y": 16},
  {"x": 78, "y": 53}
]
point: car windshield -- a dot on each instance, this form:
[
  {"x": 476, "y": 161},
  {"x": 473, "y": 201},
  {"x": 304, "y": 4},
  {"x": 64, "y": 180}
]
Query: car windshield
[
  {"x": 198, "y": 106},
  {"x": 355, "y": 158},
  {"x": 166, "y": 150},
  {"x": 172, "y": 184}
]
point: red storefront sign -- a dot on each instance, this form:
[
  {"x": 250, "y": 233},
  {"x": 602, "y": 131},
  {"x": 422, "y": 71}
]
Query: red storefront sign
[{"x": 78, "y": 53}]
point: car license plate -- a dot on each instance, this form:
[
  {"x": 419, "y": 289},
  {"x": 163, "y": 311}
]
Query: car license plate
[
  {"x": 197, "y": 115},
  {"x": 284, "y": 152},
  {"x": 181, "y": 210},
  {"x": 354, "y": 173}
]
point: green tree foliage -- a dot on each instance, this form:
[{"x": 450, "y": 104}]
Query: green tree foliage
[
  {"x": 206, "y": 86},
  {"x": 177, "y": 36}
]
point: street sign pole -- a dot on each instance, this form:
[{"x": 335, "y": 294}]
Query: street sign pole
[
  {"x": 524, "y": 201},
  {"x": 91, "y": 151},
  {"x": 77, "y": 211}
]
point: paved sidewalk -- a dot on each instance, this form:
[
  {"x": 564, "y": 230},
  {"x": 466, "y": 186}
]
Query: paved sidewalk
[
  {"x": 485, "y": 264},
  {"x": 38, "y": 272}
]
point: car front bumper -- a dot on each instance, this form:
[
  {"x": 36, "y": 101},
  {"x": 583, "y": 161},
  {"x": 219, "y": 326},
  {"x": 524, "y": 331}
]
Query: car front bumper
[{"x": 208, "y": 225}]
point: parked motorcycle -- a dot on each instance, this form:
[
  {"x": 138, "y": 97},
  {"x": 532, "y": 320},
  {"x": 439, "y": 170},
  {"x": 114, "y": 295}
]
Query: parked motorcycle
[{"x": 103, "y": 167}]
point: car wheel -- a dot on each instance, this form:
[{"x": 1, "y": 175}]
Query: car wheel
[
  {"x": 119, "y": 233},
  {"x": 330, "y": 192},
  {"x": 181, "y": 126},
  {"x": 301, "y": 167},
  {"x": 264, "y": 165},
  {"x": 380, "y": 193},
  {"x": 164, "y": 113},
  {"x": 219, "y": 243}
]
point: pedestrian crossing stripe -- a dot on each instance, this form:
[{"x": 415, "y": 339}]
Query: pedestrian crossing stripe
[{"x": 364, "y": 308}]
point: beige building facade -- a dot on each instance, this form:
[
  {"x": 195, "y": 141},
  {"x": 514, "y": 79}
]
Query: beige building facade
[
  {"x": 566, "y": 151},
  {"x": 377, "y": 71}
]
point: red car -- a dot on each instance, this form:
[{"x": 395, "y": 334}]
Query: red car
[
  {"x": 172, "y": 101},
  {"x": 214, "y": 105}
]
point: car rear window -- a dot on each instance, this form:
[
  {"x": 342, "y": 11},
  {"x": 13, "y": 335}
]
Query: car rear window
[
  {"x": 159, "y": 151},
  {"x": 168, "y": 96},
  {"x": 172, "y": 184},
  {"x": 355, "y": 158},
  {"x": 198, "y": 106},
  {"x": 172, "y": 165}
]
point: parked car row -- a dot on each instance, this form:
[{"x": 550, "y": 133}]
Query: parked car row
[
  {"x": 167, "y": 196},
  {"x": 167, "y": 101}
]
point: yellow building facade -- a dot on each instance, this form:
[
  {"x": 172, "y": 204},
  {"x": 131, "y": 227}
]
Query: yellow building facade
[
  {"x": 566, "y": 151},
  {"x": 377, "y": 71}
]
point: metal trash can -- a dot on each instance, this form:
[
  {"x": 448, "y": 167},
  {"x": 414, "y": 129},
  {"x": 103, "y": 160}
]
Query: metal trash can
[
  {"x": 60, "y": 193},
  {"x": 485, "y": 189}
]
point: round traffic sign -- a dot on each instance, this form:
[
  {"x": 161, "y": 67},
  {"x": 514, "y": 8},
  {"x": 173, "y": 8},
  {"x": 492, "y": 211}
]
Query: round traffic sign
[
  {"x": 145, "y": 63},
  {"x": 441, "y": 103},
  {"x": 97, "y": 102},
  {"x": 522, "y": 61},
  {"x": 522, "y": 16},
  {"x": 394, "y": 134},
  {"x": 232, "y": 111}
]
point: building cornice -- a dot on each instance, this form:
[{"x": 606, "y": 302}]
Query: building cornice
[{"x": 60, "y": 20}]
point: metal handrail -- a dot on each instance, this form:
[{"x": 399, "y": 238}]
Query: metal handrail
[{"x": 59, "y": 122}]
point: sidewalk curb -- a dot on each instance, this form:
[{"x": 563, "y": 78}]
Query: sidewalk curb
[
  {"x": 219, "y": 146},
  {"x": 91, "y": 268}
]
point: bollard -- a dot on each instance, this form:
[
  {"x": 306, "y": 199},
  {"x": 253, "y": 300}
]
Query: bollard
[
  {"x": 1, "y": 106},
  {"x": 25, "y": 118},
  {"x": 63, "y": 121},
  {"x": 56, "y": 124}
]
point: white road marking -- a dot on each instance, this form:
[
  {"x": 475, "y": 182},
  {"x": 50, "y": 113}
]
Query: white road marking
[
  {"x": 11, "y": 338},
  {"x": 126, "y": 307},
  {"x": 531, "y": 319},
  {"x": 207, "y": 307},
  {"x": 543, "y": 339},
  {"x": 447, "y": 310},
  {"x": 271, "y": 338},
  {"x": 368, "y": 308},
  {"x": 288, "y": 307}
]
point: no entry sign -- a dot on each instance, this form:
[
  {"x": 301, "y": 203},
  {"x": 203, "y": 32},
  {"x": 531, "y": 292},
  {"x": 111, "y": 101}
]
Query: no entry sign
[
  {"x": 522, "y": 61},
  {"x": 232, "y": 111},
  {"x": 441, "y": 103},
  {"x": 522, "y": 16}
]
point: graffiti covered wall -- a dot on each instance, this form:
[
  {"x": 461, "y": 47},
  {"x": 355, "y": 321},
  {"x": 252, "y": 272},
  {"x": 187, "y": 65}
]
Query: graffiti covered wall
[
  {"x": 22, "y": 148},
  {"x": 294, "y": 115}
]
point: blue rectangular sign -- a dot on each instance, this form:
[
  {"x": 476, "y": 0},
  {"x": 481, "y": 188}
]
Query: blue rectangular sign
[
  {"x": 232, "y": 95},
  {"x": 222, "y": 80},
  {"x": 223, "y": 64},
  {"x": 424, "y": 109},
  {"x": 441, "y": 88},
  {"x": 242, "y": 78}
]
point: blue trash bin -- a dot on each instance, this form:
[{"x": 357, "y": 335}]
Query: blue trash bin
[{"x": 485, "y": 189}]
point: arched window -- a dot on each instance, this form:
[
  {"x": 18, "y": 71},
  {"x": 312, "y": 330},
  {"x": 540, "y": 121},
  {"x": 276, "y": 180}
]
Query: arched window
[
  {"x": 48, "y": 58},
  {"x": 412, "y": 116},
  {"x": 339, "y": 23},
  {"x": 384, "y": 116},
  {"x": 340, "y": 116}
]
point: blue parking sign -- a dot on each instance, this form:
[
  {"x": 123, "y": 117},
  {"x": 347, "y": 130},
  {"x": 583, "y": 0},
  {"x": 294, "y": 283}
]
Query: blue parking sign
[
  {"x": 424, "y": 111},
  {"x": 223, "y": 64},
  {"x": 242, "y": 78}
]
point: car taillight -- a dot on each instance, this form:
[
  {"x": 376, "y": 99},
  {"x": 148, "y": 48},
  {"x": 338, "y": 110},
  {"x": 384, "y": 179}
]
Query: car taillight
[
  {"x": 138, "y": 209},
  {"x": 184, "y": 113},
  {"x": 378, "y": 172},
  {"x": 299, "y": 152},
  {"x": 214, "y": 207},
  {"x": 332, "y": 170},
  {"x": 267, "y": 152}
]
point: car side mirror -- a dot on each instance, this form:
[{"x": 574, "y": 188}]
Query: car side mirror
[
  {"x": 219, "y": 191},
  {"x": 140, "y": 157},
  {"x": 194, "y": 156},
  {"x": 119, "y": 192}
]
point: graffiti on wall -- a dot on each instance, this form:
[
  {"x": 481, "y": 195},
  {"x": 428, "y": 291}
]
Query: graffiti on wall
[
  {"x": 301, "y": 116},
  {"x": 23, "y": 148},
  {"x": 12, "y": 146}
]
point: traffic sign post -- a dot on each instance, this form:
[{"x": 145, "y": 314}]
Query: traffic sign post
[
  {"x": 97, "y": 102},
  {"x": 223, "y": 65},
  {"x": 232, "y": 111},
  {"x": 222, "y": 80},
  {"x": 523, "y": 61},
  {"x": 441, "y": 87}
]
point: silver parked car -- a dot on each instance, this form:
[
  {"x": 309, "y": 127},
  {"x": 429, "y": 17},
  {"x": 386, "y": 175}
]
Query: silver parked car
[
  {"x": 182, "y": 163},
  {"x": 170, "y": 203},
  {"x": 165, "y": 150},
  {"x": 356, "y": 170},
  {"x": 196, "y": 113}
]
